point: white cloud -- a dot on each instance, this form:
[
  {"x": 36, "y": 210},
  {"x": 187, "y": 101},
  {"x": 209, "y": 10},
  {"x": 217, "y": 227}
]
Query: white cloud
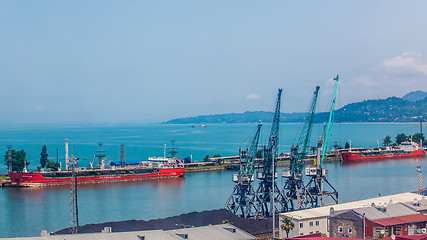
[
  {"x": 39, "y": 108},
  {"x": 406, "y": 63},
  {"x": 252, "y": 96}
]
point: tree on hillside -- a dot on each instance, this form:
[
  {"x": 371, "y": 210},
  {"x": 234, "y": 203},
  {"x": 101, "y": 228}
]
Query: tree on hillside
[
  {"x": 206, "y": 158},
  {"x": 19, "y": 161},
  {"x": 43, "y": 157},
  {"x": 401, "y": 137},
  {"x": 287, "y": 225},
  {"x": 387, "y": 140}
]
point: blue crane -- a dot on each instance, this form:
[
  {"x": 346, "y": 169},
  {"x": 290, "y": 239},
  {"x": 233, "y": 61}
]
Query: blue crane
[
  {"x": 318, "y": 184},
  {"x": 268, "y": 191},
  {"x": 296, "y": 195},
  {"x": 243, "y": 201}
]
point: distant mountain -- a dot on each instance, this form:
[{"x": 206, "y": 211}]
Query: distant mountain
[
  {"x": 246, "y": 117},
  {"x": 415, "y": 96},
  {"x": 392, "y": 109}
]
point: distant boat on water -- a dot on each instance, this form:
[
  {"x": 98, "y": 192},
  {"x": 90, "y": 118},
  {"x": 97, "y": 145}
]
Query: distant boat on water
[{"x": 199, "y": 126}]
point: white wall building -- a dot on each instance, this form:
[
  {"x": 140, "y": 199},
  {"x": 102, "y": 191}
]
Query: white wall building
[{"x": 316, "y": 220}]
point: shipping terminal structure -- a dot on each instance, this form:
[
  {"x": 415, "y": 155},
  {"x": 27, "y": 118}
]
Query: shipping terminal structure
[{"x": 156, "y": 167}]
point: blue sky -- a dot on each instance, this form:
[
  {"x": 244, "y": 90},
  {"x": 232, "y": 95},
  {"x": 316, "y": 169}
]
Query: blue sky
[{"x": 150, "y": 61}]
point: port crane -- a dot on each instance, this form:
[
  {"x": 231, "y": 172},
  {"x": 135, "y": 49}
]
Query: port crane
[
  {"x": 318, "y": 175},
  {"x": 268, "y": 192},
  {"x": 244, "y": 202},
  {"x": 296, "y": 195}
]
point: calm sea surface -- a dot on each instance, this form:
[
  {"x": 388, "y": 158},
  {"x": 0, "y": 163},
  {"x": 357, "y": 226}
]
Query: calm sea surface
[{"x": 24, "y": 212}]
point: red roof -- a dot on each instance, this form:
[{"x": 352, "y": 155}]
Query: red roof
[
  {"x": 413, "y": 218},
  {"x": 389, "y": 222},
  {"x": 407, "y": 237},
  {"x": 326, "y": 238},
  {"x": 318, "y": 236}
]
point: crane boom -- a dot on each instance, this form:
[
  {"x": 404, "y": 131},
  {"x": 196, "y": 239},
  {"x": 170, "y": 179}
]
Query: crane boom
[
  {"x": 248, "y": 157},
  {"x": 268, "y": 192},
  {"x": 299, "y": 152},
  {"x": 273, "y": 140},
  {"x": 331, "y": 117}
]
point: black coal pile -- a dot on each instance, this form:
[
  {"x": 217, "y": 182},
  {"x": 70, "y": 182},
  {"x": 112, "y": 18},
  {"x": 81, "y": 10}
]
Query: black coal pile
[{"x": 193, "y": 219}]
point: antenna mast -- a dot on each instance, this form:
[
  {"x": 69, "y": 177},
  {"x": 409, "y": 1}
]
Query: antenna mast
[
  {"x": 74, "y": 212},
  {"x": 100, "y": 154},
  {"x": 173, "y": 150}
]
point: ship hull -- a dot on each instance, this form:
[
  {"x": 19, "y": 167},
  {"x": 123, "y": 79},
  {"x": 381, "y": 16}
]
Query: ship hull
[
  {"x": 38, "y": 180},
  {"x": 356, "y": 156}
]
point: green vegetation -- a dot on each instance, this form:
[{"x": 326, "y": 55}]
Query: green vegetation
[
  {"x": 347, "y": 146},
  {"x": 216, "y": 155},
  {"x": 418, "y": 137},
  {"x": 43, "y": 157},
  {"x": 19, "y": 160},
  {"x": 387, "y": 140},
  {"x": 287, "y": 225},
  {"x": 392, "y": 109},
  {"x": 402, "y": 137},
  {"x": 206, "y": 158},
  {"x": 52, "y": 165}
]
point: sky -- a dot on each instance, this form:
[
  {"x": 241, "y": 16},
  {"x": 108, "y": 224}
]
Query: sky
[{"x": 103, "y": 61}]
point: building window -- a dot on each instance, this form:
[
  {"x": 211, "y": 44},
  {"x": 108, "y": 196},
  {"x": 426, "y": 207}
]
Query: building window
[
  {"x": 350, "y": 230},
  {"x": 398, "y": 231},
  {"x": 317, "y": 231},
  {"x": 311, "y": 232},
  {"x": 301, "y": 225},
  {"x": 317, "y": 223},
  {"x": 340, "y": 229},
  {"x": 311, "y": 224},
  {"x": 301, "y": 234}
]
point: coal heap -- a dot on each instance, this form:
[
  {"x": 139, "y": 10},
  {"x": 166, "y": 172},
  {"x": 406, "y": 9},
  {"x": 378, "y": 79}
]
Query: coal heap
[{"x": 195, "y": 219}]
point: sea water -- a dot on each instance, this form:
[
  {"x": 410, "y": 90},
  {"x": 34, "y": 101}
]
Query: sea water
[{"x": 26, "y": 211}]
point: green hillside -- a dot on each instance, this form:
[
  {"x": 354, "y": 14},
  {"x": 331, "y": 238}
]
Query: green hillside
[{"x": 392, "y": 109}]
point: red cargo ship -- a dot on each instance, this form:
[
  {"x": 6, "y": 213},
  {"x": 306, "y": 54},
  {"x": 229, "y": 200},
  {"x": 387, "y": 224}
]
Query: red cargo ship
[
  {"x": 405, "y": 150},
  {"x": 134, "y": 172}
]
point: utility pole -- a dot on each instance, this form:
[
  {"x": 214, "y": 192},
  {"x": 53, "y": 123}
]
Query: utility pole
[
  {"x": 74, "y": 211},
  {"x": 66, "y": 155},
  {"x": 420, "y": 179},
  {"x": 272, "y": 200}
]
